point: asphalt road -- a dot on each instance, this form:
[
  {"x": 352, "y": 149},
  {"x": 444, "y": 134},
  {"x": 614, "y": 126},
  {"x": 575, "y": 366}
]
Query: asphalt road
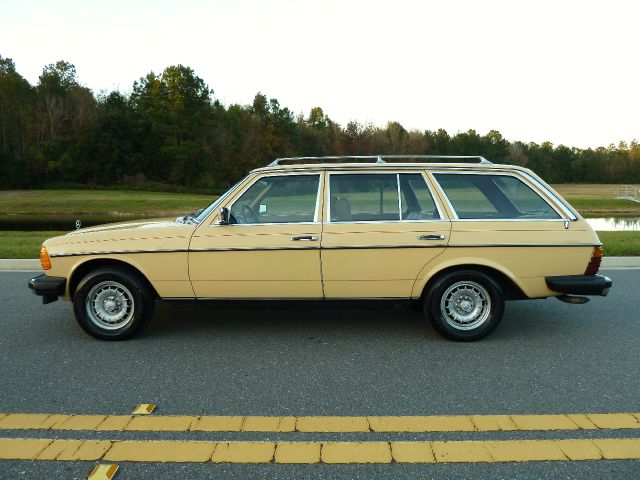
[{"x": 545, "y": 357}]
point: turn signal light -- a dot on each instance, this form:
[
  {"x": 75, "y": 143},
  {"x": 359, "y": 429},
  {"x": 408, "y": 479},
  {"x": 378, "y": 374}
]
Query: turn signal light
[
  {"x": 45, "y": 261},
  {"x": 596, "y": 259}
]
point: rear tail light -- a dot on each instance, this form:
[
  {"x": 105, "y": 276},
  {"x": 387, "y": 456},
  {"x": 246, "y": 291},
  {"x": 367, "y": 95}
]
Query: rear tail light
[
  {"x": 594, "y": 264},
  {"x": 45, "y": 261}
]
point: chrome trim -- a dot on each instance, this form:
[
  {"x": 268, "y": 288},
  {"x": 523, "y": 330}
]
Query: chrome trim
[
  {"x": 508, "y": 173},
  {"x": 518, "y": 245},
  {"x": 376, "y": 159},
  {"x": 431, "y": 237},
  {"x": 399, "y": 196},
  {"x": 305, "y": 238},
  {"x": 277, "y": 174},
  {"x": 377, "y": 167},
  {"x": 117, "y": 252},
  {"x": 509, "y": 220},
  {"x": 337, "y": 247},
  {"x": 378, "y": 247},
  {"x": 249, "y": 249}
]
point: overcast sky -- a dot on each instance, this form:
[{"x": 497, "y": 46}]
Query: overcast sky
[{"x": 564, "y": 71}]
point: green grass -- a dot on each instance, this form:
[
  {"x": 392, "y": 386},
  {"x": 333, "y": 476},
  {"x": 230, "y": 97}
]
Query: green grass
[
  {"x": 104, "y": 202},
  {"x": 620, "y": 244},
  {"x": 59, "y": 209},
  {"x": 27, "y": 244},
  {"x": 596, "y": 199},
  {"x": 23, "y": 244}
]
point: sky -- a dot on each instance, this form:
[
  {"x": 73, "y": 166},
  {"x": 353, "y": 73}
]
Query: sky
[{"x": 562, "y": 71}]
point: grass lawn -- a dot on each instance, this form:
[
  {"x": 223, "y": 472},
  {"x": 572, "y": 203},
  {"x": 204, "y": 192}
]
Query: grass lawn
[
  {"x": 620, "y": 244},
  {"x": 105, "y": 202},
  {"x": 23, "y": 244},
  {"x": 596, "y": 199},
  {"x": 27, "y": 244}
]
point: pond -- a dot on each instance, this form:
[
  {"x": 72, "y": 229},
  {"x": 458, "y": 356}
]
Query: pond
[{"x": 615, "y": 224}]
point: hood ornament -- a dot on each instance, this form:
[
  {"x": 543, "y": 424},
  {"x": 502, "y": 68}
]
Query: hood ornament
[{"x": 78, "y": 224}]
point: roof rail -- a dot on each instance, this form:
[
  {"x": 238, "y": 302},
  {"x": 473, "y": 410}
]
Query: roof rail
[{"x": 373, "y": 159}]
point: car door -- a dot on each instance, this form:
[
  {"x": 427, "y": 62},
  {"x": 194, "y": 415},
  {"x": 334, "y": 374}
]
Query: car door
[
  {"x": 271, "y": 246},
  {"x": 381, "y": 229}
]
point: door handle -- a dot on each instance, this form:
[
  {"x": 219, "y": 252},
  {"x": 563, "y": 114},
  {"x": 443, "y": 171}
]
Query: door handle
[
  {"x": 305, "y": 238},
  {"x": 431, "y": 237}
]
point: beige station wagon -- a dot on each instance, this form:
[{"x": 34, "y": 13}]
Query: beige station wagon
[{"x": 455, "y": 235}]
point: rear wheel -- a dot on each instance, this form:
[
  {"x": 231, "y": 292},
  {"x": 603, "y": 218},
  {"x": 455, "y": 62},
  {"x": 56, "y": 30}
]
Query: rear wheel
[
  {"x": 464, "y": 305},
  {"x": 112, "y": 303}
]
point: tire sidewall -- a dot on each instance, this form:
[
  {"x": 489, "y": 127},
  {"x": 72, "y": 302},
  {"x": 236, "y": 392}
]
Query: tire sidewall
[
  {"x": 143, "y": 303},
  {"x": 434, "y": 296}
]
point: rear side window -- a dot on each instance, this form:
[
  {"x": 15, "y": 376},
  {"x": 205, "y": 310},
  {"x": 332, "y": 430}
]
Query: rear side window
[
  {"x": 364, "y": 197},
  {"x": 493, "y": 197}
]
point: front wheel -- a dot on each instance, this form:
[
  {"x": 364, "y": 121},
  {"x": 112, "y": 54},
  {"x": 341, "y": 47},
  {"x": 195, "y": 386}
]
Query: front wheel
[
  {"x": 464, "y": 305},
  {"x": 112, "y": 303}
]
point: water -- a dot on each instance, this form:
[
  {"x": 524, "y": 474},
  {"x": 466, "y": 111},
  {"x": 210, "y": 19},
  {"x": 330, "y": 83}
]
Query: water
[{"x": 615, "y": 224}]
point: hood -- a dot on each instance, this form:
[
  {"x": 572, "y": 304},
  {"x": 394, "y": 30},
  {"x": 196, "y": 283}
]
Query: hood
[
  {"x": 131, "y": 230},
  {"x": 133, "y": 224}
]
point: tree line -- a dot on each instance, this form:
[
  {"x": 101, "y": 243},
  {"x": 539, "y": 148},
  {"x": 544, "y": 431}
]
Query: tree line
[{"x": 171, "y": 133}]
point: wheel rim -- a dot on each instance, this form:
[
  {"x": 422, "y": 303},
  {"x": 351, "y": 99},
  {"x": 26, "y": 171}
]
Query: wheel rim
[
  {"x": 465, "y": 305},
  {"x": 110, "y": 305}
]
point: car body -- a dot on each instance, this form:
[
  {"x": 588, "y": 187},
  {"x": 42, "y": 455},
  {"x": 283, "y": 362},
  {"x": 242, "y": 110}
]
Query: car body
[{"x": 458, "y": 235}]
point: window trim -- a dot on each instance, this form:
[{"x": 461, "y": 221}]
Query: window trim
[
  {"x": 534, "y": 188},
  {"x": 397, "y": 174},
  {"x": 278, "y": 174}
]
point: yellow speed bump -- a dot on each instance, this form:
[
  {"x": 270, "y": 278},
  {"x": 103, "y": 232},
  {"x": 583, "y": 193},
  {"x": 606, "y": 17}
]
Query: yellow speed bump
[
  {"x": 103, "y": 472},
  {"x": 144, "y": 409}
]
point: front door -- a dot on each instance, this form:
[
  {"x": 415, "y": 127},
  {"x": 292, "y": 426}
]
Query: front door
[
  {"x": 381, "y": 230},
  {"x": 271, "y": 247}
]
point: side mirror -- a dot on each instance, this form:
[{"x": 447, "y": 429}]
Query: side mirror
[{"x": 224, "y": 216}]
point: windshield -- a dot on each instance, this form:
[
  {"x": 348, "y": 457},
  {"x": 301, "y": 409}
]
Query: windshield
[{"x": 205, "y": 213}]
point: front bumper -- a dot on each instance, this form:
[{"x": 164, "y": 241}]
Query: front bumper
[
  {"x": 49, "y": 288},
  {"x": 580, "y": 284}
]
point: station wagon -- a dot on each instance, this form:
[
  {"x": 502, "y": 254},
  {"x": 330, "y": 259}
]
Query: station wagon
[{"x": 456, "y": 236}]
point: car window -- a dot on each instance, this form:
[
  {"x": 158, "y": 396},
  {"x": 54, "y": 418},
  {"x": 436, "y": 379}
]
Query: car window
[
  {"x": 416, "y": 200},
  {"x": 363, "y": 197},
  {"x": 493, "y": 196},
  {"x": 277, "y": 199}
]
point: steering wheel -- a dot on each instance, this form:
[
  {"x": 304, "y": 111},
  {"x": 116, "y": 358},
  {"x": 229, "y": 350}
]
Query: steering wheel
[{"x": 249, "y": 214}]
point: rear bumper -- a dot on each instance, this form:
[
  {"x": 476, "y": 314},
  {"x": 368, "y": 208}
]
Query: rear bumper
[
  {"x": 580, "y": 284},
  {"x": 49, "y": 288}
]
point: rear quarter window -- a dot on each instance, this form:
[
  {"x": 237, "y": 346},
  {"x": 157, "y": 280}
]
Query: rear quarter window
[{"x": 481, "y": 196}]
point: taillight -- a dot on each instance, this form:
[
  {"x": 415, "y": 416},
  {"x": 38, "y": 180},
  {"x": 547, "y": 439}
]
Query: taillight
[
  {"x": 45, "y": 261},
  {"x": 594, "y": 264}
]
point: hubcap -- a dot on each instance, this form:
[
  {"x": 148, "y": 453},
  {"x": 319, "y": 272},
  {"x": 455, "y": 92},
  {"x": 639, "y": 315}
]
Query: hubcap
[
  {"x": 465, "y": 305},
  {"x": 110, "y": 305}
]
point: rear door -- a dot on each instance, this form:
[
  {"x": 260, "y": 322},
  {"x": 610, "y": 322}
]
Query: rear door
[{"x": 381, "y": 229}]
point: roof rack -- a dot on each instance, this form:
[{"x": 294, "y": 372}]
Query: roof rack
[{"x": 374, "y": 159}]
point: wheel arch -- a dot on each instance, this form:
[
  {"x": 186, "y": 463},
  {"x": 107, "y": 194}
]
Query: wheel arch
[
  {"x": 83, "y": 268},
  {"x": 508, "y": 284}
]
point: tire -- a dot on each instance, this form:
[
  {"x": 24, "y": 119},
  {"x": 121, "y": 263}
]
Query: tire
[
  {"x": 464, "y": 305},
  {"x": 112, "y": 303}
]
